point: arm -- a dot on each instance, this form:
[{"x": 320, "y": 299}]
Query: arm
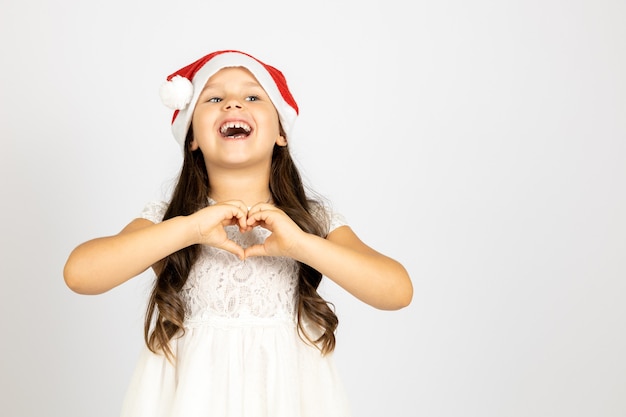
[
  {"x": 365, "y": 273},
  {"x": 101, "y": 264},
  {"x": 342, "y": 257}
]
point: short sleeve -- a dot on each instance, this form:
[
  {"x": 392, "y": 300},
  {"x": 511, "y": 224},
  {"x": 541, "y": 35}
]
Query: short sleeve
[
  {"x": 331, "y": 219},
  {"x": 154, "y": 211},
  {"x": 336, "y": 220}
]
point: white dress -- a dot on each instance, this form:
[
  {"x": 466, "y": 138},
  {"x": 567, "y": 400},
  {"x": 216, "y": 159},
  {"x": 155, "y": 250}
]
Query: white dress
[{"x": 241, "y": 353}]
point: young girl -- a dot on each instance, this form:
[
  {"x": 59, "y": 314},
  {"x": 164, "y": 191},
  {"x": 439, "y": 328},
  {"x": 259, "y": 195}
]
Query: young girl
[{"x": 234, "y": 325}]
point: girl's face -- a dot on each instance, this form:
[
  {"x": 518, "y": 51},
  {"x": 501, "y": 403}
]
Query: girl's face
[{"x": 234, "y": 123}]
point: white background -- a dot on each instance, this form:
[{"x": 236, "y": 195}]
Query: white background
[{"x": 482, "y": 144}]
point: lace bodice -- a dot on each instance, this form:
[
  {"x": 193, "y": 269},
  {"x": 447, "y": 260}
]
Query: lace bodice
[{"x": 222, "y": 287}]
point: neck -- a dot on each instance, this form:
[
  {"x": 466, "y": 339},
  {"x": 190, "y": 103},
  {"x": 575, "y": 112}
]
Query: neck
[{"x": 251, "y": 189}]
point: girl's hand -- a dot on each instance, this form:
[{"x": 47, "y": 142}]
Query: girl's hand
[
  {"x": 210, "y": 223},
  {"x": 285, "y": 232}
]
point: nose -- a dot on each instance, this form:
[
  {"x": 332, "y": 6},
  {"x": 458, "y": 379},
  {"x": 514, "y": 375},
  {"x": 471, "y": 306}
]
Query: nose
[{"x": 232, "y": 104}]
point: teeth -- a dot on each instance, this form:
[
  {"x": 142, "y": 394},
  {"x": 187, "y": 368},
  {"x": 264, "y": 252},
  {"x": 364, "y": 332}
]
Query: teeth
[{"x": 235, "y": 125}]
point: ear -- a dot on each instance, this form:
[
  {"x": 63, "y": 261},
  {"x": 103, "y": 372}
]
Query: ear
[
  {"x": 281, "y": 141},
  {"x": 193, "y": 145}
]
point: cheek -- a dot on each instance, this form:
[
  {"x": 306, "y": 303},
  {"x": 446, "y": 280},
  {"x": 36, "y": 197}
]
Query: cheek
[
  {"x": 198, "y": 122},
  {"x": 201, "y": 128},
  {"x": 273, "y": 122},
  {"x": 203, "y": 115}
]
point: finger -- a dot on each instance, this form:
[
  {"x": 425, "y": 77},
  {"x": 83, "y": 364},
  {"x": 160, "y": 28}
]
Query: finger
[
  {"x": 238, "y": 213},
  {"x": 260, "y": 217},
  {"x": 234, "y": 248},
  {"x": 261, "y": 207},
  {"x": 255, "y": 250}
]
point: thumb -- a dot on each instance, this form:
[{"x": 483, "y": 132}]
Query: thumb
[
  {"x": 255, "y": 250},
  {"x": 234, "y": 248}
]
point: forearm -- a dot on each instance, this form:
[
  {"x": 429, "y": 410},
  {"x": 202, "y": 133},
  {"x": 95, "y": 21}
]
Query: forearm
[
  {"x": 101, "y": 264},
  {"x": 368, "y": 275}
]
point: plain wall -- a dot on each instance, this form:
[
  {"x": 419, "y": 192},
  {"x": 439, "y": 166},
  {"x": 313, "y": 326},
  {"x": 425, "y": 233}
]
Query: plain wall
[{"x": 482, "y": 144}]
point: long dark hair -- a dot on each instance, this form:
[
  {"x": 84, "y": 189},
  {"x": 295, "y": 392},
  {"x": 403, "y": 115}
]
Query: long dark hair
[{"x": 166, "y": 310}]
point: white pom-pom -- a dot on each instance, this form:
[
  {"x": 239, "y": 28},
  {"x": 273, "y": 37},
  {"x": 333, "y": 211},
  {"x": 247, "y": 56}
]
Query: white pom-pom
[{"x": 176, "y": 93}]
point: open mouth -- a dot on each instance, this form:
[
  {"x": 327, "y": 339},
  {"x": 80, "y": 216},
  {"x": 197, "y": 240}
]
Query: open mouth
[{"x": 235, "y": 130}]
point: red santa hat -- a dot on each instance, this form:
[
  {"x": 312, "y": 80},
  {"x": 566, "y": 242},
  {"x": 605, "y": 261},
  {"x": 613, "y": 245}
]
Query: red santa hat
[{"x": 181, "y": 90}]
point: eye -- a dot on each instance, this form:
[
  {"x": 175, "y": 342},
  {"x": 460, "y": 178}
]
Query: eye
[
  {"x": 252, "y": 98},
  {"x": 214, "y": 100}
]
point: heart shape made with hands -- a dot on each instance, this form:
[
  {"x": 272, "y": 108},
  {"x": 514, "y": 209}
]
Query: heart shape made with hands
[{"x": 263, "y": 215}]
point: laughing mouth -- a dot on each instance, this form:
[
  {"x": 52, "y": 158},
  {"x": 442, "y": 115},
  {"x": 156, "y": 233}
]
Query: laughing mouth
[{"x": 235, "y": 130}]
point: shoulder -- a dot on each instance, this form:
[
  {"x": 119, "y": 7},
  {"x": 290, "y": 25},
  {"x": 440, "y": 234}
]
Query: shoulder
[
  {"x": 324, "y": 212},
  {"x": 154, "y": 211}
]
